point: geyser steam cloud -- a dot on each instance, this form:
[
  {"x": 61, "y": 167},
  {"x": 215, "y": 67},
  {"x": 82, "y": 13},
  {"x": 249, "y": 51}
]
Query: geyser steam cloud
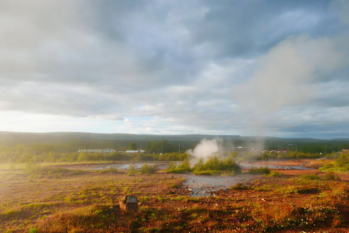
[
  {"x": 221, "y": 148},
  {"x": 208, "y": 147}
]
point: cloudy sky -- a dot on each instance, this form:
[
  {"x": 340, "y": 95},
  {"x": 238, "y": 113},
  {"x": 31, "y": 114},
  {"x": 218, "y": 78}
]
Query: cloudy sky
[{"x": 246, "y": 67}]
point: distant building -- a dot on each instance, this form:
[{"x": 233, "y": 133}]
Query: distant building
[
  {"x": 241, "y": 149},
  {"x": 96, "y": 150},
  {"x": 277, "y": 151},
  {"x": 134, "y": 151}
]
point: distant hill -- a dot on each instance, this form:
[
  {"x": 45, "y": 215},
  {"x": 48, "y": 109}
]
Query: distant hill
[
  {"x": 186, "y": 141},
  {"x": 15, "y": 137}
]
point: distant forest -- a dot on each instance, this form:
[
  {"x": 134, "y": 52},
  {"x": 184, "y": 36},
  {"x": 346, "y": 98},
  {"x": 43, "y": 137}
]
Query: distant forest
[{"x": 14, "y": 144}]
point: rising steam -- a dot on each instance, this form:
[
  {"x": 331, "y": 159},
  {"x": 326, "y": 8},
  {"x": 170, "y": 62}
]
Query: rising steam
[
  {"x": 206, "y": 148},
  {"x": 285, "y": 79},
  {"x": 211, "y": 147}
]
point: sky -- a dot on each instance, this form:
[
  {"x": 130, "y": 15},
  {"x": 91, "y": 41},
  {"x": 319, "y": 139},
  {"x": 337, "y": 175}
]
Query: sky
[{"x": 242, "y": 67}]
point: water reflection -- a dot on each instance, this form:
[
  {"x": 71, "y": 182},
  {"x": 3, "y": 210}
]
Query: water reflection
[
  {"x": 204, "y": 185},
  {"x": 164, "y": 165},
  {"x": 270, "y": 166}
]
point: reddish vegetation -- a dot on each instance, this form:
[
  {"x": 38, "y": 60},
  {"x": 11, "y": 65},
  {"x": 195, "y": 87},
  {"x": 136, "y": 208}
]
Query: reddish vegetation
[
  {"x": 298, "y": 172},
  {"x": 93, "y": 166},
  {"x": 86, "y": 202},
  {"x": 301, "y": 162}
]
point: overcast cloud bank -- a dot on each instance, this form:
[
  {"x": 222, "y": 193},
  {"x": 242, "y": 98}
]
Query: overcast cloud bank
[{"x": 225, "y": 67}]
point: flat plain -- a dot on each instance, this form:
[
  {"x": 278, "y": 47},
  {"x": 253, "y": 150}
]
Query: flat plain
[{"x": 67, "y": 200}]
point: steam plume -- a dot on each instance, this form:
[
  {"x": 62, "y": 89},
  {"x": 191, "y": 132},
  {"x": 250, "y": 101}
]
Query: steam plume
[{"x": 208, "y": 147}]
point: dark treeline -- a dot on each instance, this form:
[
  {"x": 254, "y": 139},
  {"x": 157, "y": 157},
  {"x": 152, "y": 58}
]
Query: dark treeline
[
  {"x": 326, "y": 147},
  {"x": 71, "y": 142},
  {"x": 21, "y": 154},
  {"x": 68, "y": 152},
  {"x": 291, "y": 155},
  {"x": 162, "y": 146}
]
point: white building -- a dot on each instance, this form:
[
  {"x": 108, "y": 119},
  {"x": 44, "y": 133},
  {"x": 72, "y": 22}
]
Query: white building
[
  {"x": 108, "y": 150},
  {"x": 134, "y": 151}
]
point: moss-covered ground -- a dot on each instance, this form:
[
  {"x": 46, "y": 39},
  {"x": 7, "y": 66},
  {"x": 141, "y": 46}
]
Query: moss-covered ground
[{"x": 76, "y": 201}]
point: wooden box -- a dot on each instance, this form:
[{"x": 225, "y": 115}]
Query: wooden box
[{"x": 129, "y": 203}]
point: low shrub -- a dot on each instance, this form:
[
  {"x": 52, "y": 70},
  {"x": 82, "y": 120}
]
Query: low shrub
[
  {"x": 260, "y": 170},
  {"x": 171, "y": 167},
  {"x": 328, "y": 165},
  {"x": 297, "y": 189},
  {"x": 341, "y": 164},
  {"x": 342, "y": 160},
  {"x": 239, "y": 186},
  {"x": 32, "y": 167},
  {"x": 288, "y": 190},
  {"x": 109, "y": 170},
  {"x": 334, "y": 169},
  {"x": 214, "y": 165},
  {"x": 181, "y": 168},
  {"x": 275, "y": 174},
  {"x": 37, "y": 170},
  {"x": 310, "y": 177},
  {"x": 131, "y": 170},
  {"x": 331, "y": 176},
  {"x": 232, "y": 173},
  {"x": 206, "y": 172},
  {"x": 263, "y": 188},
  {"x": 148, "y": 169},
  {"x": 33, "y": 230},
  {"x": 184, "y": 166}
]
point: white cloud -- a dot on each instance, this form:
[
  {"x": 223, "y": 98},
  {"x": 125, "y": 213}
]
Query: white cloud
[
  {"x": 286, "y": 73},
  {"x": 159, "y": 66},
  {"x": 341, "y": 7}
]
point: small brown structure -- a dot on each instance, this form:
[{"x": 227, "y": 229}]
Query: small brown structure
[
  {"x": 129, "y": 203},
  {"x": 116, "y": 208}
]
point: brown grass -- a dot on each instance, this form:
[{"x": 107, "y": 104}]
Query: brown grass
[
  {"x": 86, "y": 203},
  {"x": 300, "y": 162}
]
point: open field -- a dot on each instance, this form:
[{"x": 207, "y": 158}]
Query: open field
[
  {"x": 309, "y": 163},
  {"x": 85, "y": 201},
  {"x": 5, "y": 167}
]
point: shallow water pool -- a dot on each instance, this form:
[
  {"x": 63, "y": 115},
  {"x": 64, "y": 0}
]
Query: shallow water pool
[{"x": 204, "y": 185}]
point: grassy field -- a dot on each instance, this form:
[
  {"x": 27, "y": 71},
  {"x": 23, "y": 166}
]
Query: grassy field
[
  {"x": 18, "y": 166},
  {"x": 61, "y": 200}
]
